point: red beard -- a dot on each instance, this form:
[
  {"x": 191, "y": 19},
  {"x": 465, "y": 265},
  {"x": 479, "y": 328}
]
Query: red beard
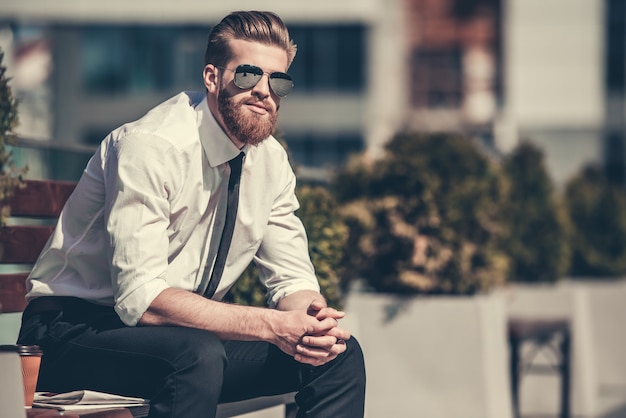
[{"x": 247, "y": 127}]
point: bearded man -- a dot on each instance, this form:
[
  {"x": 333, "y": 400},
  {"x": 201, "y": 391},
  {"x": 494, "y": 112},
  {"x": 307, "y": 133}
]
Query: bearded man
[{"x": 126, "y": 296}]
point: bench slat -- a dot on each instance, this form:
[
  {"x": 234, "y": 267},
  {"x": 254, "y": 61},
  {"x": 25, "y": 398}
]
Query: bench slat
[
  {"x": 12, "y": 292},
  {"x": 41, "y": 198},
  {"x": 22, "y": 244}
]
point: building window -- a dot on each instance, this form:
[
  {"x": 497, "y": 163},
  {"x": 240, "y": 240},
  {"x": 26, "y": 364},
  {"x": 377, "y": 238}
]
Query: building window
[
  {"x": 120, "y": 59},
  {"x": 437, "y": 78},
  {"x": 614, "y": 157},
  {"x": 329, "y": 58},
  {"x": 139, "y": 59},
  {"x": 315, "y": 150}
]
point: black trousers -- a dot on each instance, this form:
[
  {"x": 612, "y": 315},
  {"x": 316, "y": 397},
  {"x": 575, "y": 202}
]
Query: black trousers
[{"x": 184, "y": 372}]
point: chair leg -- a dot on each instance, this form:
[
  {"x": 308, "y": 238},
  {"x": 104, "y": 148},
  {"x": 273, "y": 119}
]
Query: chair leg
[
  {"x": 565, "y": 375},
  {"x": 515, "y": 375}
]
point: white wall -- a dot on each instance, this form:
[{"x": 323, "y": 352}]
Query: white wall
[
  {"x": 183, "y": 10},
  {"x": 553, "y": 75},
  {"x": 554, "y": 62}
]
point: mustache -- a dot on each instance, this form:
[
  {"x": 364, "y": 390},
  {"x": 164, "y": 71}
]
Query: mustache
[{"x": 265, "y": 104}]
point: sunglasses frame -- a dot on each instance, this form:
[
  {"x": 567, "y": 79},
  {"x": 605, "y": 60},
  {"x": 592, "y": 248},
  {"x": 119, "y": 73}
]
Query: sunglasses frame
[{"x": 258, "y": 71}]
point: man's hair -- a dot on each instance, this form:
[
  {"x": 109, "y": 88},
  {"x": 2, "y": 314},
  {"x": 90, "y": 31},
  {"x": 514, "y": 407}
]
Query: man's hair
[{"x": 263, "y": 27}]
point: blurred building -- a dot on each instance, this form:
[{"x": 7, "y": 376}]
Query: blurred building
[
  {"x": 110, "y": 62},
  {"x": 455, "y": 74},
  {"x": 556, "y": 58},
  {"x": 547, "y": 71},
  {"x": 614, "y": 85}
]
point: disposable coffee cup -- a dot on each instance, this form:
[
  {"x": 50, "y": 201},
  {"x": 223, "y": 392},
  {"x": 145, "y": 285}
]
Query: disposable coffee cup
[
  {"x": 31, "y": 360},
  {"x": 11, "y": 387}
]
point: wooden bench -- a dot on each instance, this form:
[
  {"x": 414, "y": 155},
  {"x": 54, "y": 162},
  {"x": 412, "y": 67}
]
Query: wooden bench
[{"x": 34, "y": 210}]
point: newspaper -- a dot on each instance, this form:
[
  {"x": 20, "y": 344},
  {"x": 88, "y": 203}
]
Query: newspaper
[{"x": 85, "y": 399}]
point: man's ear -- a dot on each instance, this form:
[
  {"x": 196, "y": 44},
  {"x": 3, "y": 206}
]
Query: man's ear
[{"x": 209, "y": 75}]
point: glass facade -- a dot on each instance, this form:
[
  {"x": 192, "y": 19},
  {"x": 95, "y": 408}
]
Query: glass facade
[
  {"x": 329, "y": 58},
  {"x": 120, "y": 60},
  {"x": 323, "y": 150},
  {"x": 437, "y": 78},
  {"x": 138, "y": 59},
  {"x": 131, "y": 59}
]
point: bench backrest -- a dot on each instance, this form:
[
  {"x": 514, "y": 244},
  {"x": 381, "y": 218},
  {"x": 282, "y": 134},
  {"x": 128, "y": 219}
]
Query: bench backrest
[{"x": 34, "y": 210}]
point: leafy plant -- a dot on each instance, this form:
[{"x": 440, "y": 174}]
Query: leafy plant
[
  {"x": 10, "y": 177},
  {"x": 538, "y": 238},
  {"x": 598, "y": 213},
  {"x": 425, "y": 218},
  {"x": 327, "y": 236}
]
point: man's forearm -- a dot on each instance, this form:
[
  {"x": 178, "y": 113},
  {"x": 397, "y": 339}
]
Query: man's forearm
[
  {"x": 235, "y": 322},
  {"x": 300, "y": 300},
  {"x": 304, "y": 315}
]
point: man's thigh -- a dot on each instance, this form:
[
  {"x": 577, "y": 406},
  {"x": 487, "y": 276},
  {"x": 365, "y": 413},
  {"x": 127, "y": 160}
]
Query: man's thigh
[
  {"x": 101, "y": 353},
  {"x": 90, "y": 348},
  {"x": 138, "y": 360},
  {"x": 258, "y": 369}
]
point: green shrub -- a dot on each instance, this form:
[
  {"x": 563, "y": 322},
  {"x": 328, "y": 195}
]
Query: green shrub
[
  {"x": 10, "y": 177},
  {"x": 598, "y": 213},
  {"x": 426, "y": 217},
  {"x": 538, "y": 240},
  {"x": 327, "y": 238}
]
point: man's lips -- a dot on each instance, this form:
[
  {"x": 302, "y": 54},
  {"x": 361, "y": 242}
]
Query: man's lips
[{"x": 258, "y": 107}]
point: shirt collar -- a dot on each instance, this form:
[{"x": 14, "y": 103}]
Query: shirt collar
[{"x": 218, "y": 147}]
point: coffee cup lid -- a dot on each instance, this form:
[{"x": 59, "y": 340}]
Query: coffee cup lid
[{"x": 29, "y": 350}]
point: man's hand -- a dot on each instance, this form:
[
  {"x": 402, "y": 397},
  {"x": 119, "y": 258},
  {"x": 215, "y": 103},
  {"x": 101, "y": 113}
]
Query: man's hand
[
  {"x": 310, "y": 335},
  {"x": 292, "y": 328},
  {"x": 324, "y": 340},
  {"x": 320, "y": 348}
]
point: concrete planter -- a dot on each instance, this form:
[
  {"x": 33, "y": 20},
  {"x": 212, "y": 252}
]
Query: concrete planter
[
  {"x": 433, "y": 357},
  {"x": 607, "y": 307}
]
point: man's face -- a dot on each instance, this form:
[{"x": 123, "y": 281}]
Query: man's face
[{"x": 250, "y": 115}]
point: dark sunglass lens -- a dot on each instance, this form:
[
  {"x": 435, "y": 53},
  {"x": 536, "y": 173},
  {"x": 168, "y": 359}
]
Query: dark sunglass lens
[
  {"x": 281, "y": 84},
  {"x": 246, "y": 76}
]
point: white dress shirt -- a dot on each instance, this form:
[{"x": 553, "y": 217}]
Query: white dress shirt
[{"x": 149, "y": 209}]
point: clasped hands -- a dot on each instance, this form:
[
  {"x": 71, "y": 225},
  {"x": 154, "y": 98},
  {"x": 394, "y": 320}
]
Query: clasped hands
[{"x": 324, "y": 340}]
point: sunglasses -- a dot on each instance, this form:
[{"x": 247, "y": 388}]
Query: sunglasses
[{"x": 248, "y": 76}]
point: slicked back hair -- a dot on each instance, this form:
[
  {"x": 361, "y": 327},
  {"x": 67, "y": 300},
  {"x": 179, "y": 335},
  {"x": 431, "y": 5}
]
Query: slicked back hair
[{"x": 263, "y": 27}]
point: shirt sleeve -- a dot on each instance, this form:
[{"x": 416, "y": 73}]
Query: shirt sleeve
[
  {"x": 283, "y": 258},
  {"x": 139, "y": 180}
]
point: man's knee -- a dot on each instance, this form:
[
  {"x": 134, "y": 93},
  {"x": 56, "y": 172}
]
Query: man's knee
[
  {"x": 354, "y": 359},
  {"x": 197, "y": 376},
  {"x": 349, "y": 367},
  {"x": 200, "y": 353}
]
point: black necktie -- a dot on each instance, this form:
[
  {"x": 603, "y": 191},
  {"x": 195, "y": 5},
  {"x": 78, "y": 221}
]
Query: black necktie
[{"x": 229, "y": 226}]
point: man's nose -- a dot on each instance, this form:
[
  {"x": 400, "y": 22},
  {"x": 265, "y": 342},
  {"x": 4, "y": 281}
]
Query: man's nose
[{"x": 262, "y": 88}]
